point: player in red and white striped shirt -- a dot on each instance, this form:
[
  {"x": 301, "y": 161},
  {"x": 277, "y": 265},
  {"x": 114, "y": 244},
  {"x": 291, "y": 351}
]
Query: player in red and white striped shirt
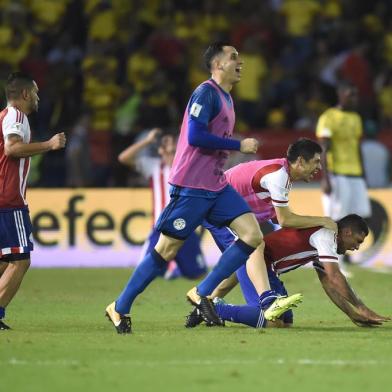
[
  {"x": 288, "y": 249},
  {"x": 190, "y": 259},
  {"x": 15, "y": 152}
]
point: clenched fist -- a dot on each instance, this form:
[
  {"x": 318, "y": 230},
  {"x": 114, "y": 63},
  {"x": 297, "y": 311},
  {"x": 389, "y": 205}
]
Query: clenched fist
[
  {"x": 249, "y": 145},
  {"x": 57, "y": 141}
]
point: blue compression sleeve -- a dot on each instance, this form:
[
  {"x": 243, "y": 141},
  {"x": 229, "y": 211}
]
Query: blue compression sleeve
[
  {"x": 199, "y": 136},
  {"x": 244, "y": 314}
]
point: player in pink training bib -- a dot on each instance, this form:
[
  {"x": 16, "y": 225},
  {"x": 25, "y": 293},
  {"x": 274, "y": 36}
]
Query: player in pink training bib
[
  {"x": 200, "y": 191},
  {"x": 265, "y": 185}
]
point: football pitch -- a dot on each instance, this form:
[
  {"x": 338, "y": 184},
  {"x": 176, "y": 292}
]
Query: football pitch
[{"x": 61, "y": 342}]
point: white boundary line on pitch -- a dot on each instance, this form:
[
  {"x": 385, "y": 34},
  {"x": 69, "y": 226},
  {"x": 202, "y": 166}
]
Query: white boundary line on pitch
[{"x": 201, "y": 362}]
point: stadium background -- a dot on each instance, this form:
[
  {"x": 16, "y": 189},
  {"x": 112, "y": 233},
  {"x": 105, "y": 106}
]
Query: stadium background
[{"x": 109, "y": 70}]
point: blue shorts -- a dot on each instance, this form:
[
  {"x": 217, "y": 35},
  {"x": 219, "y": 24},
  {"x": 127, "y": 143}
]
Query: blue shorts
[
  {"x": 185, "y": 212},
  {"x": 222, "y": 236},
  {"x": 15, "y": 232},
  {"x": 250, "y": 294},
  {"x": 189, "y": 259}
]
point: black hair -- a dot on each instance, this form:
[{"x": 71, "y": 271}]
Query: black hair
[
  {"x": 212, "y": 51},
  {"x": 355, "y": 222},
  {"x": 16, "y": 83},
  {"x": 303, "y": 147}
]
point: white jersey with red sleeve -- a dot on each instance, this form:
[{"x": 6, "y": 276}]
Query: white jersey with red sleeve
[
  {"x": 13, "y": 171},
  {"x": 287, "y": 249},
  {"x": 276, "y": 184},
  {"x": 154, "y": 169}
]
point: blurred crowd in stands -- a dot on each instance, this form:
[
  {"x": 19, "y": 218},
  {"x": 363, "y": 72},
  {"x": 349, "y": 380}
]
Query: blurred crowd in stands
[{"x": 107, "y": 70}]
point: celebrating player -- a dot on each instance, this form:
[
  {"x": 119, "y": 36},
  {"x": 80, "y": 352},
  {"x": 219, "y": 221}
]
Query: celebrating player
[
  {"x": 189, "y": 259},
  {"x": 265, "y": 185},
  {"x": 200, "y": 191},
  {"x": 288, "y": 249},
  {"x": 15, "y": 152}
]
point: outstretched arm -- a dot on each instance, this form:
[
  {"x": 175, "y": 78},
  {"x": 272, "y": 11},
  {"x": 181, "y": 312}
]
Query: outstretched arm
[
  {"x": 287, "y": 218},
  {"x": 343, "y": 296},
  {"x": 15, "y": 147}
]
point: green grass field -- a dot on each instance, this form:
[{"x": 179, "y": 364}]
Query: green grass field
[{"x": 60, "y": 340}]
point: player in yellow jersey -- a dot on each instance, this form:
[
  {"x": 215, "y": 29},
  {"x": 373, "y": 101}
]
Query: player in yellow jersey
[{"x": 339, "y": 130}]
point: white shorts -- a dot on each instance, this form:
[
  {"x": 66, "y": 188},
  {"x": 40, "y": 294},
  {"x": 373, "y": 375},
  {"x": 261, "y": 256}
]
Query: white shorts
[{"x": 348, "y": 196}]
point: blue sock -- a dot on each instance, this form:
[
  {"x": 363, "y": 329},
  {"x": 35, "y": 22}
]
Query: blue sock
[
  {"x": 267, "y": 298},
  {"x": 150, "y": 267},
  {"x": 232, "y": 258},
  {"x": 243, "y": 314},
  {"x": 2, "y": 312}
]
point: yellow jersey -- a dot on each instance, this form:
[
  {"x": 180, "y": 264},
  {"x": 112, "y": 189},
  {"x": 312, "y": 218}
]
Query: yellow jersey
[{"x": 344, "y": 129}]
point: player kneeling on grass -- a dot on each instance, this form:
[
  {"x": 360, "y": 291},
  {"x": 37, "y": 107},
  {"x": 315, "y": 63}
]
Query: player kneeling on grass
[{"x": 286, "y": 250}]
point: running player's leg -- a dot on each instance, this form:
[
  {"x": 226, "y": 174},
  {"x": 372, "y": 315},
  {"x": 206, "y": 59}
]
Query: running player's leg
[
  {"x": 257, "y": 270},
  {"x": 278, "y": 286},
  {"x": 222, "y": 236},
  {"x": 149, "y": 244},
  {"x": 231, "y": 207},
  {"x": 152, "y": 265},
  {"x": 190, "y": 259},
  {"x": 15, "y": 247},
  {"x": 11, "y": 280},
  {"x": 12, "y": 277},
  {"x": 252, "y": 297},
  {"x": 252, "y": 313},
  {"x": 252, "y": 316},
  {"x": 248, "y": 289},
  {"x": 255, "y": 266},
  {"x": 176, "y": 223}
]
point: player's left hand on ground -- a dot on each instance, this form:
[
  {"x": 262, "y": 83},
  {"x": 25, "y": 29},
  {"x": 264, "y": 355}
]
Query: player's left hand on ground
[
  {"x": 366, "y": 324},
  {"x": 366, "y": 312},
  {"x": 364, "y": 320},
  {"x": 330, "y": 224}
]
